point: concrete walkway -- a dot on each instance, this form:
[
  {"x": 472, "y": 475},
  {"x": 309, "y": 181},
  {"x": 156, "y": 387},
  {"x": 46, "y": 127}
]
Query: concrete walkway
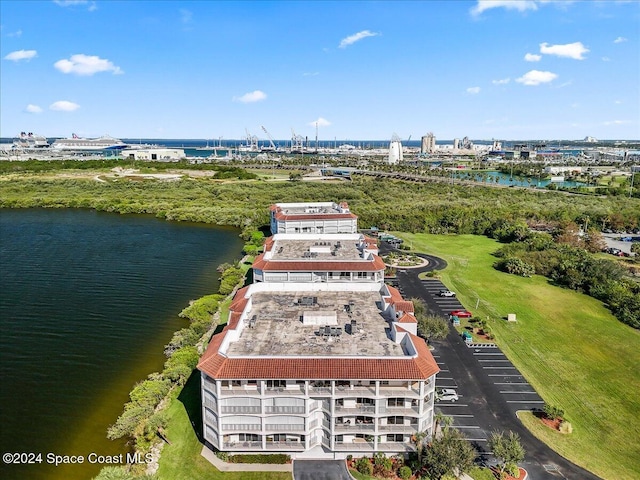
[{"x": 243, "y": 467}]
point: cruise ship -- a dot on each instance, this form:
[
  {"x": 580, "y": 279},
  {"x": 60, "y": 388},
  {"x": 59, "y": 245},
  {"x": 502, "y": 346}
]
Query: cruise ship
[
  {"x": 76, "y": 143},
  {"x": 30, "y": 141}
]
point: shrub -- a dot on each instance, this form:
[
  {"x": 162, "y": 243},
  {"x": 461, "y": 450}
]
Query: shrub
[
  {"x": 404, "y": 472},
  {"x": 565, "y": 427},
  {"x": 224, "y": 456},
  {"x": 349, "y": 457},
  {"x": 512, "y": 469},
  {"x": 363, "y": 465},
  {"x": 553, "y": 412},
  {"x": 275, "y": 459}
]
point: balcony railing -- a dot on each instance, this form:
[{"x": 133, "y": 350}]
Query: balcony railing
[
  {"x": 226, "y": 391},
  {"x": 395, "y": 447},
  {"x": 399, "y": 410},
  {"x": 357, "y": 409},
  {"x": 240, "y": 409},
  {"x": 359, "y": 390},
  {"x": 242, "y": 446},
  {"x": 241, "y": 426},
  {"x": 364, "y": 445},
  {"x": 284, "y": 391},
  {"x": 284, "y": 409},
  {"x": 399, "y": 392},
  {"x": 285, "y": 446},
  {"x": 284, "y": 427},
  {"x": 319, "y": 390},
  {"x": 357, "y": 427},
  {"x": 398, "y": 428}
]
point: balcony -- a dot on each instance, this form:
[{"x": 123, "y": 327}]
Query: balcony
[
  {"x": 399, "y": 392},
  {"x": 283, "y": 427},
  {"x": 245, "y": 427},
  {"x": 357, "y": 409},
  {"x": 354, "y": 427},
  {"x": 240, "y": 409},
  {"x": 242, "y": 446},
  {"x": 359, "y": 445},
  {"x": 319, "y": 390},
  {"x": 413, "y": 428},
  {"x": 395, "y": 447},
  {"x": 285, "y": 409},
  {"x": 285, "y": 446},
  {"x": 400, "y": 410},
  {"x": 234, "y": 391},
  {"x": 297, "y": 390},
  {"x": 353, "y": 390}
]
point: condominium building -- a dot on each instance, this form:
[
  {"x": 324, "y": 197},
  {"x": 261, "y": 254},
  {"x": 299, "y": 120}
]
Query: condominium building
[
  {"x": 319, "y": 357},
  {"x": 315, "y": 217},
  {"x": 319, "y": 258},
  {"x": 334, "y": 366}
]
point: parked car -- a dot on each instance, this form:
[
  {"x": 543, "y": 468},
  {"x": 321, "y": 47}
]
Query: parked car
[
  {"x": 447, "y": 395},
  {"x": 447, "y": 293},
  {"x": 461, "y": 313}
]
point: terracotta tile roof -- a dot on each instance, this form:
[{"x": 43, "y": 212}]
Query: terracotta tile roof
[
  {"x": 396, "y": 296},
  {"x": 403, "y": 306},
  {"x": 317, "y": 266},
  {"x": 268, "y": 243},
  {"x": 407, "y": 318},
  {"x": 220, "y": 367}
]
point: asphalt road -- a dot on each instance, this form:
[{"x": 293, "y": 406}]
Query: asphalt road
[
  {"x": 320, "y": 470},
  {"x": 491, "y": 389}
]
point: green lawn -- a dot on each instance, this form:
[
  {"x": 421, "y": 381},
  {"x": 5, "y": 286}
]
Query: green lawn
[
  {"x": 568, "y": 345},
  {"x": 182, "y": 459}
]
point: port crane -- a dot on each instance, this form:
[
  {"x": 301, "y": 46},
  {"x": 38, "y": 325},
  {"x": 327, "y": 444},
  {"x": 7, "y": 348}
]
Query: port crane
[
  {"x": 297, "y": 142},
  {"x": 272, "y": 146}
]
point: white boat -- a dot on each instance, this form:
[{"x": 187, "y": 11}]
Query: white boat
[
  {"x": 30, "y": 141},
  {"x": 76, "y": 143}
]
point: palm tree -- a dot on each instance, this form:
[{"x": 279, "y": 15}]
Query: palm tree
[{"x": 418, "y": 439}]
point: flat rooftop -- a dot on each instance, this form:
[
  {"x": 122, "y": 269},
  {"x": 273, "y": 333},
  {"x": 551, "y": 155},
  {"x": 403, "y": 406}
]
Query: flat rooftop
[
  {"x": 325, "y": 250},
  {"x": 276, "y": 326}
]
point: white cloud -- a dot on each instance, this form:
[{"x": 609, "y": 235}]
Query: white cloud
[
  {"x": 321, "y": 122},
  {"x": 617, "y": 122},
  {"x": 618, "y": 102},
  {"x": 473, "y": 90},
  {"x": 75, "y": 3},
  {"x": 185, "y": 16},
  {"x": 502, "y": 81},
  {"x": 520, "y": 5},
  {"x": 17, "y": 33},
  {"x": 21, "y": 55},
  {"x": 536, "y": 77},
  {"x": 33, "y": 109},
  {"x": 620, "y": 40},
  {"x": 64, "y": 106},
  {"x": 532, "y": 57},
  {"x": 574, "y": 50},
  {"x": 251, "y": 97},
  {"x": 606, "y": 59},
  {"x": 310, "y": 74},
  {"x": 81, "y": 64},
  {"x": 351, "y": 39}
]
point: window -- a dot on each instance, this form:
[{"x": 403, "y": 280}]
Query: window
[
  {"x": 276, "y": 383},
  {"x": 395, "y": 402},
  {"x": 395, "y": 438}
]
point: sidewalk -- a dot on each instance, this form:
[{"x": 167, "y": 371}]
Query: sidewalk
[{"x": 243, "y": 467}]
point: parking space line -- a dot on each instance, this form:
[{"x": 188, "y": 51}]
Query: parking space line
[
  {"x": 444, "y": 378},
  {"x": 476, "y": 439},
  {"x": 508, "y": 391},
  {"x": 503, "y": 375},
  {"x": 489, "y": 353},
  {"x": 510, "y": 368},
  {"x": 511, "y": 383},
  {"x": 442, "y": 404},
  {"x": 461, "y": 415},
  {"x": 466, "y": 426},
  {"x": 525, "y": 401},
  {"x": 444, "y": 370},
  {"x": 491, "y": 360}
]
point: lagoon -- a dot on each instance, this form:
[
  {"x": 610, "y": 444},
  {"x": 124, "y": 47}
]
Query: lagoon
[{"x": 87, "y": 302}]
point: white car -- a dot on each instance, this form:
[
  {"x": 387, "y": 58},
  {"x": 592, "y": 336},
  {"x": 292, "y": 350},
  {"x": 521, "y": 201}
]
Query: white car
[
  {"x": 447, "y": 395},
  {"x": 447, "y": 293}
]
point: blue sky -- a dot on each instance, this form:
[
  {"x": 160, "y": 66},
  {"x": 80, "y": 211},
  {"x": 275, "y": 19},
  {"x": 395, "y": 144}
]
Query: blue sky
[{"x": 529, "y": 69}]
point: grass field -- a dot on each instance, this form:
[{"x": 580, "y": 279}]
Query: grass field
[
  {"x": 182, "y": 460},
  {"x": 568, "y": 345}
]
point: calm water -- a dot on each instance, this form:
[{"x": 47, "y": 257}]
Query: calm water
[
  {"x": 506, "y": 179},
  {"x": 87, "y": 302}
]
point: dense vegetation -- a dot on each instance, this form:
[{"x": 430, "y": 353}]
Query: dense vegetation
[
  {"x": 386, "y": 203},
  {"x": 563, "y": 258}
]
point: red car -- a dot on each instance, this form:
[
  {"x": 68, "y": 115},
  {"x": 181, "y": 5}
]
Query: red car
[{"x": 461, "y": 314}]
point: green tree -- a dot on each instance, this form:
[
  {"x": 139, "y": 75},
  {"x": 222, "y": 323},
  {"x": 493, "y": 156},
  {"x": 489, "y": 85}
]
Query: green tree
[
  {"x": 507, "y": 449},
  {"x": 449, "y": 454},
  {"x": 429, "y": 326}
]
